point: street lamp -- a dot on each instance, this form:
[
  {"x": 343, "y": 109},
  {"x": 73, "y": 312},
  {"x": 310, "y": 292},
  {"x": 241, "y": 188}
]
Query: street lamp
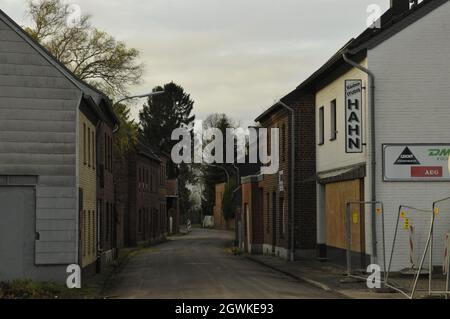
[
  {"x": 136, "y": 97},
  {"x": 140, "y": 96}
]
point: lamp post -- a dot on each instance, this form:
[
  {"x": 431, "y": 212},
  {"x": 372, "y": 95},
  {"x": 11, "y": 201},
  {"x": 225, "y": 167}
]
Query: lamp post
[
  {"x": 135, "y": 97},
  {"x": 140, "y": 96}
]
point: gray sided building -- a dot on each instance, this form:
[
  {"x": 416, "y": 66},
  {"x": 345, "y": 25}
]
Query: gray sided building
[{"x": 40, "y": 158}]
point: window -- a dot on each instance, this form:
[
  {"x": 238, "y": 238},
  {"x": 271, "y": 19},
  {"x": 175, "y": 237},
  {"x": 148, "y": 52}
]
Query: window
[
  {"x": 267, "y": 213},
  {"x": 84, "y": 143},
  {"x": 83, "y": 227},
  {"x": 283, "y": 142},
  {"x": 110, "y": 154},
  {"x": 93, "y": 150},
  {"x": 93, "y": 232},
  {"x": 333, "y": 127},
  {"x": 89, "y": 146},
  {"x": 107, "y": 222},
  {"x": 106, "y": 153},
  {"x": 89, "y": 231},
  {"x": 321, "y": 126}
]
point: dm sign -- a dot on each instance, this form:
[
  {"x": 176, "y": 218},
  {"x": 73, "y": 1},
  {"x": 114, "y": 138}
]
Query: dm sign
[
  {"x": 353, "y": 116},
  {"x": 416, "y": 162}
]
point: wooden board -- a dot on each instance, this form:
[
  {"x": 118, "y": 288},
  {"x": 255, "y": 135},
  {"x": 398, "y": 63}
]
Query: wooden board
[{"x": 336, "y": 197}]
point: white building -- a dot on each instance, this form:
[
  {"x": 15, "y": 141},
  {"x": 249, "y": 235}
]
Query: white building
[{"x": 409, "y": 59}]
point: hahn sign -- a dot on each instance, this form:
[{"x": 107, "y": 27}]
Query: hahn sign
[
  {"x": 416, "y": 162},
  {"x": 353, "y": 116}
]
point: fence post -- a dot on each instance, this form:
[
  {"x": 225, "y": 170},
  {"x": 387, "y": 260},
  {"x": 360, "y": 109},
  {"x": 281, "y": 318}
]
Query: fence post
[{"x": 349, "y": 239}]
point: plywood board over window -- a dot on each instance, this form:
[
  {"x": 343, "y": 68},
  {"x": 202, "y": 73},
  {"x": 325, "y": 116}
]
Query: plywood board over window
[{"x": 337, "y": 195}]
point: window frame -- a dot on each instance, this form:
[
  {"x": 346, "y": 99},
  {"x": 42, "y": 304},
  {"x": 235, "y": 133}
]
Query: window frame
[
  {"x": 333, "y": 120},
  {"x": 321, "y": 117}
]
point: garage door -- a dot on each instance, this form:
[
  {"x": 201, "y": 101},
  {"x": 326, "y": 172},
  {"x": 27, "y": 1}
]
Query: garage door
[
  {"x": 17, "y": 231},
  {"x": 337, "y": 195}
]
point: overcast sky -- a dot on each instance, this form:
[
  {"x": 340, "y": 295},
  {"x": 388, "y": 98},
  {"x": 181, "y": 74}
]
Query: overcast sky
[{"x": 234, "y": 56}]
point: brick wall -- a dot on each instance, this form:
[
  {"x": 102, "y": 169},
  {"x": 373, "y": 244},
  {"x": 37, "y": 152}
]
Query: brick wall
[
  {"x": 276, "y": 223},
  {"x": 303, "y": 103},
  {"x": 253, "y": 219},
  {"x": 105, "y": 188},
  {"x": 87, "y": 171}
]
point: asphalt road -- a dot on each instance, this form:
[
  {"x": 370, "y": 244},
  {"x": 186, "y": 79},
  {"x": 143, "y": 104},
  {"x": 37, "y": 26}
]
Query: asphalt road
[{"x": 198, "y": 266}]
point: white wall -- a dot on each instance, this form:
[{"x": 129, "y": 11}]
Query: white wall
[
  {"x": 412, "y": 71},
  {"x": 332, "y": 154}
]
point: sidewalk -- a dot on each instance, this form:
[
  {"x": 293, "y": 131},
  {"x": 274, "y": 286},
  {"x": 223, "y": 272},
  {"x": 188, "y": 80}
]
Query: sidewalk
[{"x": 322, "y": 275}]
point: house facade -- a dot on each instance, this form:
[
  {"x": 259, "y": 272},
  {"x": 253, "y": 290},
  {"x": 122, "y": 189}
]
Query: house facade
[
  {"x": 252, "y": 214},
  {"x": 289, "y": 226},
  {"x": 144, "y": 219},
  {"x": 382, "y": 94},
  {"x": 106, "y": 204}
]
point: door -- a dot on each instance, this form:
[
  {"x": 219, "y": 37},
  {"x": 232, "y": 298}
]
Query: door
[
  {"x": 336, "y": 196},
  {"x": 17, "y": 231}
]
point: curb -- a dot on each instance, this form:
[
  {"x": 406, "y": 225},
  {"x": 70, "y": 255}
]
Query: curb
[{"x": 310, "y": 281}]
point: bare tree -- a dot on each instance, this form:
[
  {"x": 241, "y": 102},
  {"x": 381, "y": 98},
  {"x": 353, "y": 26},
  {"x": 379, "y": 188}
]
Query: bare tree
[{"x": 92, "y": 55}]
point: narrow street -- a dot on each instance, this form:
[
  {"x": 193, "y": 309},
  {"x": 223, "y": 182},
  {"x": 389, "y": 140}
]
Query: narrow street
[{"x": 198, "y": 266}]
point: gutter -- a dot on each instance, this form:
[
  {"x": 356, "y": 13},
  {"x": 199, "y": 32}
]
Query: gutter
[
  {"x": 291, "y": 181},
  {"x": 371, "y": 106}
]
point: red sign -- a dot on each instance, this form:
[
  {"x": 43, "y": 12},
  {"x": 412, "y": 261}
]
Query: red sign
[{"x": 426, "y": 171}]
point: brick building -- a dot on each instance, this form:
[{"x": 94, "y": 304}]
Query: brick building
[
  {"x": 282, "y": 237},
  {"x": 141, "y": 191},
  {"x": 106, "y": 208},
  {"x": 380, "y": 99}
]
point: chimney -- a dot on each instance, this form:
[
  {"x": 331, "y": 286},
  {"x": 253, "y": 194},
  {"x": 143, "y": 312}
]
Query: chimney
[{"x": 398, "y": 7}]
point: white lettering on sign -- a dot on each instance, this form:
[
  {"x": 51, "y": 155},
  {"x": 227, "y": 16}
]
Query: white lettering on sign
[{"x": 353, "y": 116}]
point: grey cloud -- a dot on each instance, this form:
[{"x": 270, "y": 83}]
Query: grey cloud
[{"x": 233, "y": 56}]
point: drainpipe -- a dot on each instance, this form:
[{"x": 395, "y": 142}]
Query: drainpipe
[
  {"x": 371, "y": 106},
  {"x": 291, "y": 181}
]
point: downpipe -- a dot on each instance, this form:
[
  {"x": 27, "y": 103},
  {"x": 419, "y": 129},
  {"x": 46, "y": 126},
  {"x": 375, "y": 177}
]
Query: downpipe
[
  {"x": 371, "y": 106},
  {"x": 291, "y": 182}
]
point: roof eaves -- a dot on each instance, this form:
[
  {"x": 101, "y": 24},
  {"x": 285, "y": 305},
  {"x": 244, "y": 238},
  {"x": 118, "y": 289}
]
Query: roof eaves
[{"x": 55, "y": 62}]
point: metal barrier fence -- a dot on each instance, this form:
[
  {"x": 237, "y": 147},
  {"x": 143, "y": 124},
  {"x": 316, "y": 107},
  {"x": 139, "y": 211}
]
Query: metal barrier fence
[
  {"x": 439, "y": 249},
  {"x": 356, "y": 213},
  {"x": 409, "y": 247}
]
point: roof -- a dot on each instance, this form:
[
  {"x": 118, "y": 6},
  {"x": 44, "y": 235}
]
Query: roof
[
  {"x": 85, "y": 87},
  {"x": 370, "y": 38},
  {"x": 144, "y": 149}
]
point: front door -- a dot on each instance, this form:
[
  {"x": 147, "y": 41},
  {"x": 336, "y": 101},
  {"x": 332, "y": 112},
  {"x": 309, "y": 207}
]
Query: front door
[{"x": 17, "y": 231}]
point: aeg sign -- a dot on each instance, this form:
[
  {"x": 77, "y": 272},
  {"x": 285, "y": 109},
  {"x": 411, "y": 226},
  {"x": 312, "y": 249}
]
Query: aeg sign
[{"x": 416, "y": 162}]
